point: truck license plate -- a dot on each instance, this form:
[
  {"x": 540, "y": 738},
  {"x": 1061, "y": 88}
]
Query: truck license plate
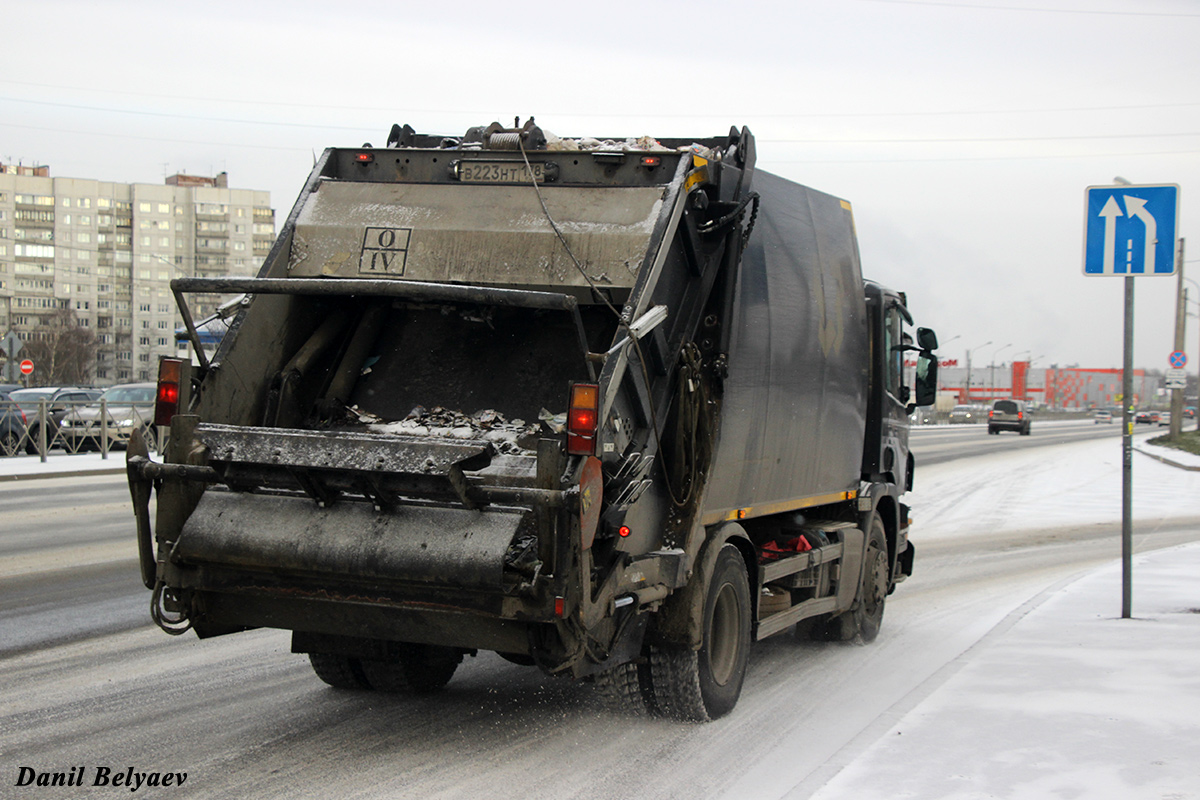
[{"x": 499, "y": 172}]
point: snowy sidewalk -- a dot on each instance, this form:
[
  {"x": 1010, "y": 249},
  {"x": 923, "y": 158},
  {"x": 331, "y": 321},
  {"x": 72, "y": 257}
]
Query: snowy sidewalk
[
  {"x": 61, "y": 464},
  {"x": 1064, "y": 699}
]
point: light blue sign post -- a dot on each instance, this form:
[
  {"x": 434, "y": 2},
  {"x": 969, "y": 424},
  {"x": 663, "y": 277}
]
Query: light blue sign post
[{"x": 1129, "y": 231}]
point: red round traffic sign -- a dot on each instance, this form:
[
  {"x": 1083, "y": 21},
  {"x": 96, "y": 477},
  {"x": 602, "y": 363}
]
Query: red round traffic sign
[{"x": 26, "y": 367}]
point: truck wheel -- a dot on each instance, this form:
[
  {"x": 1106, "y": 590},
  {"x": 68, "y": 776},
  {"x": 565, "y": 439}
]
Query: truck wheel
[
  {"x": 341, "y": 672},
  {"x": 421, "y": 668},
  {"x": 620, "y": 689},
  {"x": 866, "y": 614},
  {"x": 701, "y": 685}
]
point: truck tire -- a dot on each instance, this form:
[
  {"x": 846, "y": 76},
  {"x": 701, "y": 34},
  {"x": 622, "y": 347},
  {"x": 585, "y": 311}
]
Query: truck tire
[
  {"x": 865, "y": 617},
  {"x": 340, "y": 672},
  {"x": 620, "y": 689},
  {"x": 702, "y": 685},
  {"x": 420, "y": 669}
]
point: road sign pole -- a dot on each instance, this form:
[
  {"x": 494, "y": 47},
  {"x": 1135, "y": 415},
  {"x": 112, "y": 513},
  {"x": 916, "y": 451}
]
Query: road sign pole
[
  {"x": 1180, "y": 317},
  {"x": 1127, "y": 460}
]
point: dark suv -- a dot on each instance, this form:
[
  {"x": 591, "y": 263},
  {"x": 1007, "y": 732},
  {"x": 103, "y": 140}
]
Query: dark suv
[
  {"x": 12, "y": 426},
  {"x": 1008, "y": 415},
  {"x": 59, "y": 400}
]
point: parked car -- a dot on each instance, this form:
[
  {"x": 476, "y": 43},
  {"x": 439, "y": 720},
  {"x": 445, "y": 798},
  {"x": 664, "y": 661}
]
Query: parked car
[
  {"x": 1102, "y": 416},
  {"x": 1008, "y": 415},
  {"x": 130, "y": 406},
  {"x": 12, "y": 425},
  {"x": 59, "y": 400}
]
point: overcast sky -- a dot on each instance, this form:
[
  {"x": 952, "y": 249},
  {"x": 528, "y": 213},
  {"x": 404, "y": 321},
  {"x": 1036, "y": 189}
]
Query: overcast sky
[{"x": 963, "y": 132}]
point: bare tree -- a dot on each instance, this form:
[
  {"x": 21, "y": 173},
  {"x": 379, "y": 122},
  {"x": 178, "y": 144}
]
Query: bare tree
[{"x": 63, "y": 352}]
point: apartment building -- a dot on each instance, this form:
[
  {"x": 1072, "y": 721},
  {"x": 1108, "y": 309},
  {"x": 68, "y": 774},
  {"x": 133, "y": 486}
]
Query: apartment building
[{"x": 108, "y": 252}]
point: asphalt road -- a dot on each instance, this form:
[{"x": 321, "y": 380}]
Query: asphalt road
[
  {"x": 932, "y": 444},
  {"x": 86, "y": 680}
]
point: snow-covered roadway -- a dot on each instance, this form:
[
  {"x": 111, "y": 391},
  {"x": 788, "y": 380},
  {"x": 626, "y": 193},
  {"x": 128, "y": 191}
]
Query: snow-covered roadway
[{"x": 245, "y": 718}]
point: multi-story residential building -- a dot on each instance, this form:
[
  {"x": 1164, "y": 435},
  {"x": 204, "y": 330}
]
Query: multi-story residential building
[{"x": 108, "y": 252}]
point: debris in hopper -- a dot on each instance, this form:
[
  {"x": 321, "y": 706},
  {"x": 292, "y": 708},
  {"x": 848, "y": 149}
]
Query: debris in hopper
[
  {"x": 555, "y": 422},
  {"x": 510, "y": 438}
]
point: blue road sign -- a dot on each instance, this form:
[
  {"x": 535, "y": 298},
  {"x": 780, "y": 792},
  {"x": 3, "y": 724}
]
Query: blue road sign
[
  {"x": 1131, "y": 230},
  {"x": 1178, "y": 359}
]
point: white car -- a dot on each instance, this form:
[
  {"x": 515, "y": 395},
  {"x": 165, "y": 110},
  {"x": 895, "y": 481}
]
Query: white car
[{"x": 130, "y": 406}]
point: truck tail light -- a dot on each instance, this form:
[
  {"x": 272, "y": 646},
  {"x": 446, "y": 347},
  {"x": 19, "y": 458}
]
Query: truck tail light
[
  {"x": 583, "y": 418},
  {"x": 166, "y": 399}
]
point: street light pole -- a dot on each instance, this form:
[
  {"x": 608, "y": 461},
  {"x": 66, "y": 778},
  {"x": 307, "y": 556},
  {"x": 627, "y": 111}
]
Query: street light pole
[
  {"x": 985, "y": 344},
  {"x": 992, "y": 379}
]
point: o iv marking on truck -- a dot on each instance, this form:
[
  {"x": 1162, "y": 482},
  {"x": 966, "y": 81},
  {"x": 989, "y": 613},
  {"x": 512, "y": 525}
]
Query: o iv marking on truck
[{"x": 384, "y": 251}]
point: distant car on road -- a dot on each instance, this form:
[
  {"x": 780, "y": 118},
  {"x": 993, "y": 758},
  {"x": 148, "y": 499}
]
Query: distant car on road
[
  {"x": 1164, "y": 419},
  {"x": 1008, "y": 415},
  {"x": 130, "y": 407},
  {"x": 1146, "y": 417},
  {"x": 59, "y": 400},
  {"x": 1102, "y": 416},
  {"x": 963, "y": 413}
]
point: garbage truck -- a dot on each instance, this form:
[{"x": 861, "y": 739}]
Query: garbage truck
[{"x": 610, "y": 408}]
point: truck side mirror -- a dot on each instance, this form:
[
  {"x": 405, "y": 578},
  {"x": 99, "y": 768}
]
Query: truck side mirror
[
  {"x": 927, "y": 369},
  {"x": 927, "y": 339}
]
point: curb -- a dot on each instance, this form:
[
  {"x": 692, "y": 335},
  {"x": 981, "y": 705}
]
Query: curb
[
  {"x": 1168, "y": 461},
  {"x": 75, "y": 473}
]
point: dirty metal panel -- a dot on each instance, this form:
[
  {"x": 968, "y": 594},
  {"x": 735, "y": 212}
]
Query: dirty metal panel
[
  {"x": 341, "y": 450},
  {"x": 794, "y": 411},
  {"x": 292, "y": 536},
  {"x": 480, "y": 234}
]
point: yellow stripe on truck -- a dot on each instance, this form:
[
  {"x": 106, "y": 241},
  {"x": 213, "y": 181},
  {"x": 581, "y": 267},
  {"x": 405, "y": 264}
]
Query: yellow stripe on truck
[{"x": 750, "y": 512}]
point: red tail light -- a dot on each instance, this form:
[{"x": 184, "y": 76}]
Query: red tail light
[
  {"x": 583, "y": 416},
  {"x": 166, "y": 400}
]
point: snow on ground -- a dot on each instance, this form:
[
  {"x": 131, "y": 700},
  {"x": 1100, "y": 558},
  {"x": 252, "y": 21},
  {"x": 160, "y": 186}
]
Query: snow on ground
[
  {"x": 58, "y": 462},
  {"x": 1062, "y": 700},
  {"x": 1037, "y": 488}
]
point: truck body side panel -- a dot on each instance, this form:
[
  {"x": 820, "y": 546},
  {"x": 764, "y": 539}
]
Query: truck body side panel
[{"x": 793, "y": 413}]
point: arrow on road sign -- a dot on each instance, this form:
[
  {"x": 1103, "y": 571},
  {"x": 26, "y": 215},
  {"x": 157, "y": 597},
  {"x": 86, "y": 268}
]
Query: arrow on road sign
[
  {"x": 1110, "y": 212},
  {"x": 1136, "y": 207}
]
